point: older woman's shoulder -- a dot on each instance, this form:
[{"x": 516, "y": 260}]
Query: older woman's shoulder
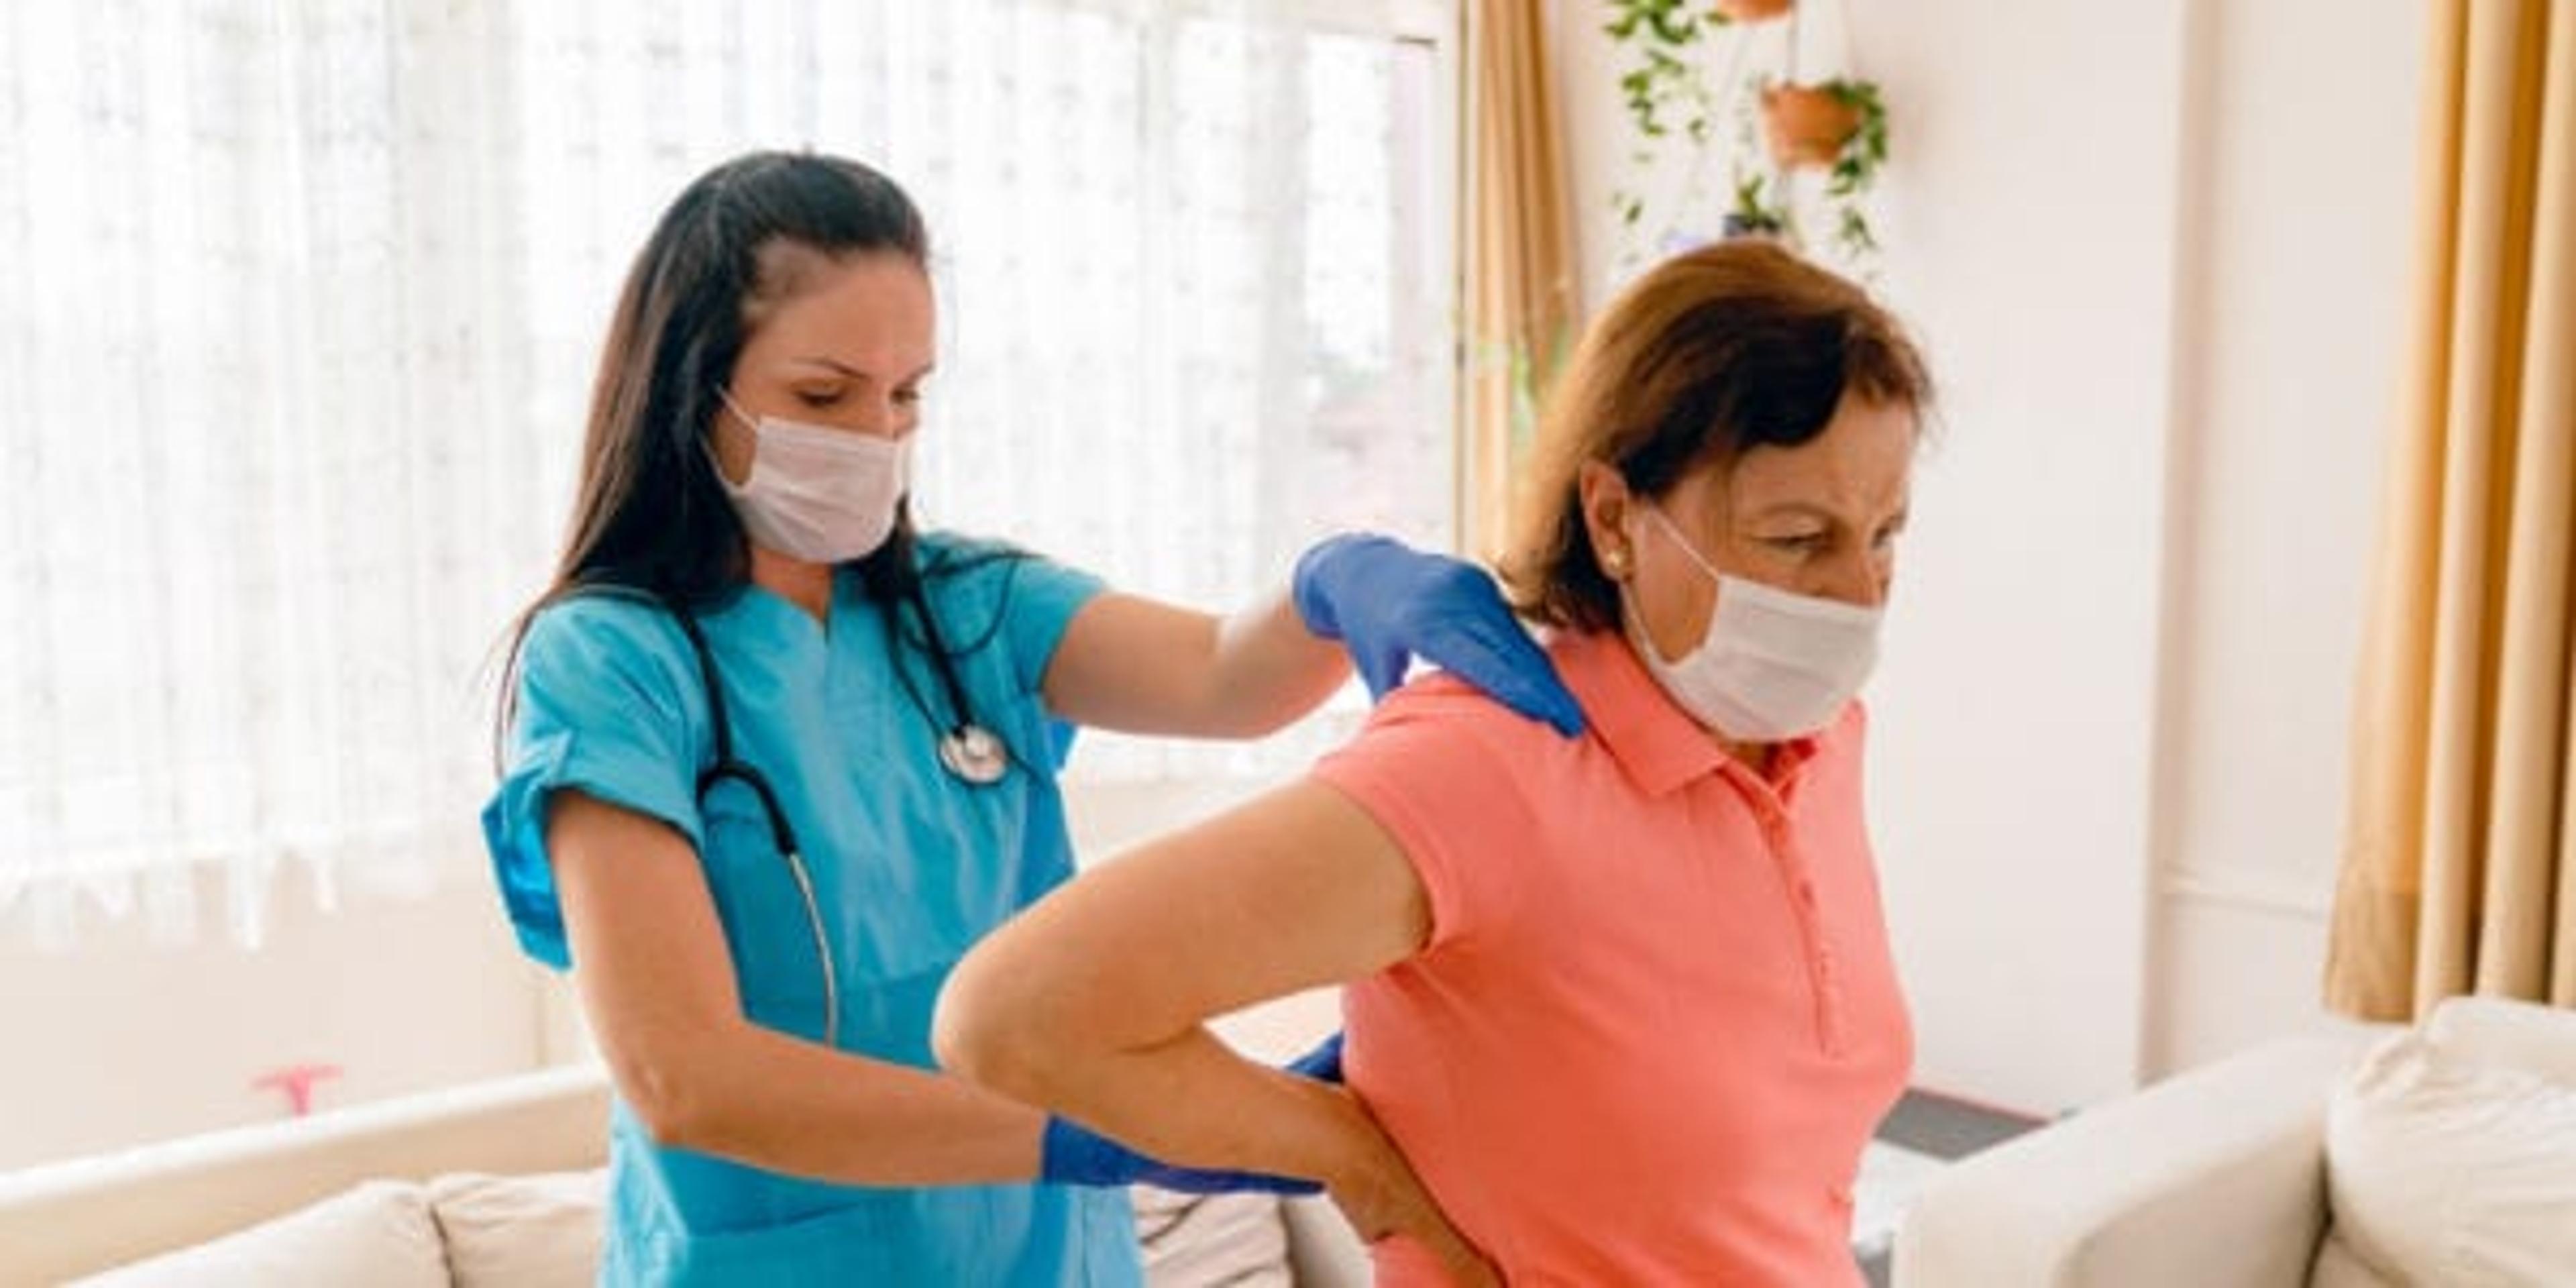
[{"x": 1448, "y": 702}]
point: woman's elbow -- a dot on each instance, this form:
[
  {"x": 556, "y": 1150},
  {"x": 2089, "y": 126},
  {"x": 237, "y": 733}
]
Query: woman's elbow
[
  {"x": 668, "y": 1092},
  {"x": 992, "y": 1033}
]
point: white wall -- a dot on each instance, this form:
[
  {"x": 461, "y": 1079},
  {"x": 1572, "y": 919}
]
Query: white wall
[
  {"x": 2153, "y": 251},
  {"x": 129, "y": 1041},
  {"x": 2298, "y": 231}
]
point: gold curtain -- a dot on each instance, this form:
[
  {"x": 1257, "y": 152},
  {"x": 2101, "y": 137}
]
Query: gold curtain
[
  {"x": 2459, "y": 871},
  {"x": 1520, "y": 304}
]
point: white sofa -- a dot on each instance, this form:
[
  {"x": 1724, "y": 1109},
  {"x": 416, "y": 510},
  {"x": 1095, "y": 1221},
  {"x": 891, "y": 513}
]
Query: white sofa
[
  {"x": 2353, "y": 1157},
  {"x": 491, "y": 1184}
]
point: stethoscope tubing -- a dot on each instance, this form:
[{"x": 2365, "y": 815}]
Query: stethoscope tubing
[{"x": 727, "y": 766}]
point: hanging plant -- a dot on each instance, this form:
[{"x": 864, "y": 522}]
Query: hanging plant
[
  {"x": 1856, "y": 166},
  {"x": 1663, "y": 93},
  {"x": 1784, "y": 128},
  {"x": 1806, "y": 125},
  {"x": 1840, "y": 127}
]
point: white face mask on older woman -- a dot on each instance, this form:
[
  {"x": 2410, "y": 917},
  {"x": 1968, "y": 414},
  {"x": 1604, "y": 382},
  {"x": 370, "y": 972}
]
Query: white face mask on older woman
[{"x": 1771, "y": 665}]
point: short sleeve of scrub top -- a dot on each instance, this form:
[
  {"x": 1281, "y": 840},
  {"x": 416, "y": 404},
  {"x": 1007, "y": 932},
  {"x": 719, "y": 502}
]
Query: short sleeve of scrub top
[
  {"x": 607, "y": 706},
  {"x": 1028, "y": 600}
]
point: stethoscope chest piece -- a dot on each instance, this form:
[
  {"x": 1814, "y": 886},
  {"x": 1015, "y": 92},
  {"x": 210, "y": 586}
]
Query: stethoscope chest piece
[{"x": 974, "y": 755}]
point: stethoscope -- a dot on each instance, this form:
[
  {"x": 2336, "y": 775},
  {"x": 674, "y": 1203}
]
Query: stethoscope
[{"x": 968, "y": 751}]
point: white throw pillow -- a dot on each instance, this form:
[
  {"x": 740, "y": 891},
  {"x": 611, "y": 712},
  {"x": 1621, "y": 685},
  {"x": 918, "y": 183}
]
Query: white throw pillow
[
  {"x": 379, "y": 1234},
  {"x": 539, "y": 1231},
  {"x": 2442, "y": 1169},
  {"x": 2500, "y": 1031},
  {"x": 1233, "y": 1239}
]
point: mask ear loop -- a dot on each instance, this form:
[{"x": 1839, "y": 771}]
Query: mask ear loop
[
  {"x": 749, "y": 421},
  {"x": 1638, "y": 636},
  {"x": 715, "y": 459},
  {"x": 1656, "y": 513}
]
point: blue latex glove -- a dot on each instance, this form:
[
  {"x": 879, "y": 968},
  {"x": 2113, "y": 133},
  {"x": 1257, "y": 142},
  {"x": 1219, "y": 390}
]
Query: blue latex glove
[
  {"x": 1386, "y": 602},
  {"x": 1324, "y": 1063},
  {"x": 1071, "y": 1154}
]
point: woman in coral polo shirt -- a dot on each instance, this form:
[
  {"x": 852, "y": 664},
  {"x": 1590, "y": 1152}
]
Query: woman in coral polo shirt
[{"x": 1619, "y": 1009}]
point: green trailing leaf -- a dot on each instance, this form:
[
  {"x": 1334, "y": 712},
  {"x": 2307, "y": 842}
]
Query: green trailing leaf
[
  {"x": 1753, "y": 211},
  {"x": 1670, "y": 22},
  {"x": 1851, "y": 230},
  {"x": 1866, "y": 150}
]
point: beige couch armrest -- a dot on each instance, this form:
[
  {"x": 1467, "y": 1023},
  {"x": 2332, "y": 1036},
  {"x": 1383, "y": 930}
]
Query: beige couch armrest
[
  {"x": 2214, "y": 1178},
  {"x": 69, "y": 1219},
  {"x": 1322, "y": 1248}
]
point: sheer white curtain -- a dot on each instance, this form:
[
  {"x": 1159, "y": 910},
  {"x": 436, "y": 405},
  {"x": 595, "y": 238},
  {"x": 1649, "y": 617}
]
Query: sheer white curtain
[{"x": 299, "y": 301}]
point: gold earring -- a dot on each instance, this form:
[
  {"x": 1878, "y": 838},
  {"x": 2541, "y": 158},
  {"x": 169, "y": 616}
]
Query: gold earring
[{"x": 1615, "y": 562}]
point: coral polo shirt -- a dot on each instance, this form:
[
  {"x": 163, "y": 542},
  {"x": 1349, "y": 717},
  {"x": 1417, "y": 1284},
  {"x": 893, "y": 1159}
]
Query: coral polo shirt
[{"x": 1655, "y": 1021}]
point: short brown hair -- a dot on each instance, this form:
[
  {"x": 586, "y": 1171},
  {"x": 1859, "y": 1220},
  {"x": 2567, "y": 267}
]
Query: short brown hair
[{"x": 1732, "y": 346}]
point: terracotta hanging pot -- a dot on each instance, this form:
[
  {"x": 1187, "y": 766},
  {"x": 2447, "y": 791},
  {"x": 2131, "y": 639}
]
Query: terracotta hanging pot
[
  {"x": 1806, "y": 125},
  {"x": 1754, "y": 10}
]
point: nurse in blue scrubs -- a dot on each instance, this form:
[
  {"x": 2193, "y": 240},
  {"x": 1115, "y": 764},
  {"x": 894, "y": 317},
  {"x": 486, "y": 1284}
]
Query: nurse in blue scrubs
[{"x": 773, "y": 759}]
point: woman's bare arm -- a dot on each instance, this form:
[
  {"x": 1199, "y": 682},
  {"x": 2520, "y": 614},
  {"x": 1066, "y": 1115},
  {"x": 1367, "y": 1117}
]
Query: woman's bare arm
[{"x": 1093, "y": 1004}]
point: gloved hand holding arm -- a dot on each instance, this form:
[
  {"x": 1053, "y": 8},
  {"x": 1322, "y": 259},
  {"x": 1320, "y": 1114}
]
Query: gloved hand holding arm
[
  {"x": 1387, "y": 602},
  {"x": 1130, "y": 663}
]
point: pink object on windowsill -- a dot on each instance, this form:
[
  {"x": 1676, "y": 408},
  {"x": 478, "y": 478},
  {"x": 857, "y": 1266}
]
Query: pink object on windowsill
[{"x": 297, "y": 1081}]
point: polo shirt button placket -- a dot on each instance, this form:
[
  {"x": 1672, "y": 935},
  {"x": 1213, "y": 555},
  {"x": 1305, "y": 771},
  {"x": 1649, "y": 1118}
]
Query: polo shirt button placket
[
  {"x": 1823, "y": 975},
  {"x": 1829, "y": 1001}
]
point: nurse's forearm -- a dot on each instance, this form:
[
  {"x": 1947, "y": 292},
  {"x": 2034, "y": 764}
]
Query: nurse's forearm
[
  {"x": 775, "y": 1102},
  {"x": 1144, "y": 667},
  {"x": 1270, "y": 669}
]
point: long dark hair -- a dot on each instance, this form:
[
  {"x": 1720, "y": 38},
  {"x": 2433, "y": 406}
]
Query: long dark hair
[{"x": 650, "y": 517}]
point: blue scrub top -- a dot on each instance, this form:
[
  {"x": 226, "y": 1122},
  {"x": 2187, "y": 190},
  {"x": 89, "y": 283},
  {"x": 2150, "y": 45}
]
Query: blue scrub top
[{"x": 910, "y": 867}]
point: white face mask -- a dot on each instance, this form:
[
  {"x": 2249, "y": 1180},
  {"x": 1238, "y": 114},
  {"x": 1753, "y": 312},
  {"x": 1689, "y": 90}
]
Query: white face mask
[
  {"x": 1770, "y": 665},
  {"x": 815, "y": 493}
]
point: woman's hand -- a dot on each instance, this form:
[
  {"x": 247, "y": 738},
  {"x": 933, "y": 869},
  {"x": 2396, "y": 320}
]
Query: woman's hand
[{"x": 1387, "y": 1204}]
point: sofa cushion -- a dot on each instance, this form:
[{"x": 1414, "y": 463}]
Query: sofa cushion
[
  {"x": 540, "y": 1231},
  {"x": 2445, "y": 1168},
  {"x": 2499, "y": 1031},
  {"x": 1233, "y": 1239},
  {"x": 379, "y": 1233},
  {"x": 543, "y": 1231},
  {"x": 2339, "y": 1267}
]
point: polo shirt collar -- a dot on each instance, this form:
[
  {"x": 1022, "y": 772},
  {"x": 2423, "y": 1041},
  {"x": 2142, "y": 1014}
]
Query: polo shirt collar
[{"x": 1657, "y": 744}]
